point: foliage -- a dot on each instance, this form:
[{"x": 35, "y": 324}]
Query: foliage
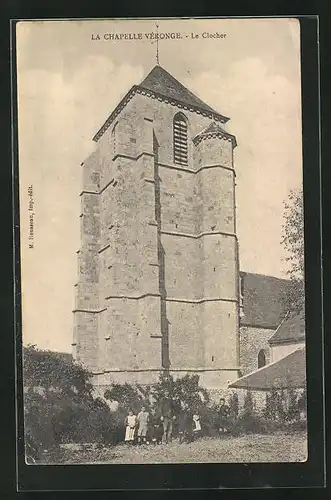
[
  {"x": 54, "y": 372},
  {"x": 182, "y": 390},
  {"x": 130, "y": 397},
  {"x": 234, "y": 405},
  {"x": 293, "y": 243},
  {"x": 293, "y": 412},
  {"x": 249, "y": 403},
  {"x": 302, "y": 401},
  {"x": 59, "y": 405},
  {"x": 274, "y": 409},
  {"x": 247, "y": 421},
  {"x": 185, "y": 390},
  {"x": 209, "y": 417},
  {"x": 284, "y": 406}
]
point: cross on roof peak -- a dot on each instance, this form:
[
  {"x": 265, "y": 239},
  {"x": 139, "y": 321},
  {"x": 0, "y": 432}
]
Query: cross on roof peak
[{"x": 157, "y": 43}]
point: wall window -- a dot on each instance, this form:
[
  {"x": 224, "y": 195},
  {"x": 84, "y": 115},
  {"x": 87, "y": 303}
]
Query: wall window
[
  {"x": 261, "y": 359},
  {"x": 180, "y": 139}
]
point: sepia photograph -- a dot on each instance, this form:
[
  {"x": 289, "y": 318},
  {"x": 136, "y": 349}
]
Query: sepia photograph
[{"x": 162, "y": 241}]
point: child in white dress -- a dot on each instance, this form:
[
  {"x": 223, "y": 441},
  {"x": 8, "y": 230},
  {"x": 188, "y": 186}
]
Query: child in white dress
[
  {"x": 196, "y": 426},
  {"x": 130, "y": 427}
]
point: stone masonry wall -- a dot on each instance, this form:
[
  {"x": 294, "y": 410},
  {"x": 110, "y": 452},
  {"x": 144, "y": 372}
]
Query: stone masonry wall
[
  {"x": 85, "y": 342},
  {"x": 252, "y": 340},
  {"x": 162, "y": 283}
]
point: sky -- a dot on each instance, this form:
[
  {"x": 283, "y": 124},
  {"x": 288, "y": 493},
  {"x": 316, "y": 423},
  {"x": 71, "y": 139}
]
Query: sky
[{"x": 68, "y": 83}]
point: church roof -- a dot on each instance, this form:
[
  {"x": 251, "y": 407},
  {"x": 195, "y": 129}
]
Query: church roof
[
  {"x": 161, "y": 84},
  {"x": 262, "y": 300},
  {"x": 291, "y": 329},
  {"x": 287, "y": 372}
]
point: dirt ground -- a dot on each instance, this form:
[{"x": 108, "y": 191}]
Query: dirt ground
[{"x": 279, "y": 447}]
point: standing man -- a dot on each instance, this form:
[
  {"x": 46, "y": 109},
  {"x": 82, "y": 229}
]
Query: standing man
[
  {"x": 223, "y": 412},
  {"x": 167, "y": 416}
]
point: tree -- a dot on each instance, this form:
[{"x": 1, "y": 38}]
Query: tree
[
  {"x": 293, "y": 407},
  {"x": 184, "y": 389},
  {"x": 234, "y": 405},
  {"x": 248, "y": 403},
  {"x": 59, "y": 405},
  {"x": 274, "y": 409},
  {"x": 54, "y": 372},
  {"x": 293, "y": 242}
]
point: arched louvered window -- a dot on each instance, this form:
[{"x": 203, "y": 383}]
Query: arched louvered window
[
  {"x": 180, "y": 140},
  {"x": 261, "y": 359}
]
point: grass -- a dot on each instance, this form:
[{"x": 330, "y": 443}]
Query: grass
[{"x": 277, "y": 447}]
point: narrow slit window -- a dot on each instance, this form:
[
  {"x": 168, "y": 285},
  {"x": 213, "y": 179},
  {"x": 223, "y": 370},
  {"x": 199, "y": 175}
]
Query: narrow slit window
[{"x": 180, "y": 140}]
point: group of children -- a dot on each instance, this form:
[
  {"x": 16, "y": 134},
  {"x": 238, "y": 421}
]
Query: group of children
[
  {"x": 153, "y": 427},
  {"x": 144, "y": 428}
]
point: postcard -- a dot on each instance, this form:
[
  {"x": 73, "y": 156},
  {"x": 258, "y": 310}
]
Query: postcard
[{"x": 162, "y": 241}]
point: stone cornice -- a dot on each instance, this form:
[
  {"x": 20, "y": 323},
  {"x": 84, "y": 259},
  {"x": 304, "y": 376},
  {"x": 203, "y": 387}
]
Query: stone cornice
[
  {"x": 137, "y": 89},
  {"x": 219, "y": 135},
  {"x": 200, "y": 301},
  {"x": 200, "y": 235},
  {"x": 163, "y": 165},
  {"x": 91, "y": 311},
  {"x": 161, "y": 369},
  {"x": 173, "y": 299},
  {"x": 133, "y": 297},
  {"x": 198, "y": 170},
  {"x": 257, "y": 327},
  {"x": 135, "y": 158}
]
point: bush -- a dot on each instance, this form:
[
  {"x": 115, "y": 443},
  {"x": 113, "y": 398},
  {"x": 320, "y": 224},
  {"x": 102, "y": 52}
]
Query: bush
[
  {"x": 275, "y": 406},
  {"x": 59, "y": 406},
  {"x": 129, "y": 396},
  {"x": 293, "y": 412},
  {"x": 234, "y": 406},
  {"x": 185, "y": 390}
]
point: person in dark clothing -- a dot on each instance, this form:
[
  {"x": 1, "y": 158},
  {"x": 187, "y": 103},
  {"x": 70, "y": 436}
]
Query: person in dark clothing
[
  {"x": 223, "y": 412},
  {"x": 156, "y": 428},
  {"x": 167, "y": 417},
  {"x": 184, "y": 425}
]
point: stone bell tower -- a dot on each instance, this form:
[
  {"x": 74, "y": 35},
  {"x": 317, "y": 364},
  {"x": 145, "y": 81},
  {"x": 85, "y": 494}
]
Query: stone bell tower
[{"x": 158, "y": 265}]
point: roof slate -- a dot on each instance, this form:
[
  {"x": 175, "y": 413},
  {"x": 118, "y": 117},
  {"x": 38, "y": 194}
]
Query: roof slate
[
  {"x": 215, "y": 129},
  {"x": 288, "y": 372},
  {"x": 162, "y": 82},
  {"x": 292, "y": 329},
  {"x": 262, "y": 300}
]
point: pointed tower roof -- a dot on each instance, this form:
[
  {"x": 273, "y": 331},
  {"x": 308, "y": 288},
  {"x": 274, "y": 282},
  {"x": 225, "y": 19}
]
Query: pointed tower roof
[
  {"x": 162, "y": 85},
  {"x": 215, "y": 130}
]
